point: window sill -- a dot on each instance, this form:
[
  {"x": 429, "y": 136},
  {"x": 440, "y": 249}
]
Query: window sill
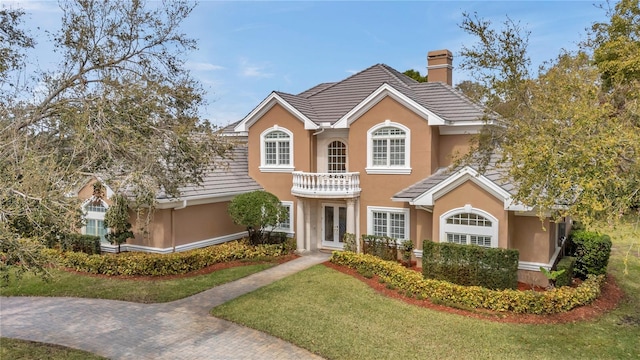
[
  {"x": 272, "y": 169},
  {"x": 391, "y": 171}
]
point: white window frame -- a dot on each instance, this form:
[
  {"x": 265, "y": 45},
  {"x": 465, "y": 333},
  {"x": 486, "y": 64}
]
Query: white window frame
[
  {"x": 289, "y": 230},
  {"x": 388, "y": 169},
  {"x": 264, "y": 167},
  {"x": 469, "y": 230},
  {"x": 389, "y": 210},
  {"x": 93, "y": 215}
]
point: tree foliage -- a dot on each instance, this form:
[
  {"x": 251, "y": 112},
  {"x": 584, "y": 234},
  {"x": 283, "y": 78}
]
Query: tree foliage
[
  {"x": 415, "y": 75},
  {"x": 569, "y": 138},
  {"x": 257, "y": 211},
  {"x": 120, "y": 104},
  {"x": 117, "y": 220}
]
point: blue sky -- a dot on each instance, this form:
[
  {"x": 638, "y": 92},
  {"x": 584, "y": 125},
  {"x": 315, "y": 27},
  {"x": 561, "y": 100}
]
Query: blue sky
[{"x": 248, "y": 48}]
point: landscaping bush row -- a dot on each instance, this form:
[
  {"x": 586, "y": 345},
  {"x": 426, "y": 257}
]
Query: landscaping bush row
[
  {"x": 148, "y": 264},
  {"x": 470, "y": 265},
  {"x": 442, "y": 292},
  {"x": 88, "y": 244}
]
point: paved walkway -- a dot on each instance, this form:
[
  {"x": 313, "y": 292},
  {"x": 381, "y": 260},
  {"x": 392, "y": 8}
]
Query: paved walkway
[{"x": 181, "y": 329}]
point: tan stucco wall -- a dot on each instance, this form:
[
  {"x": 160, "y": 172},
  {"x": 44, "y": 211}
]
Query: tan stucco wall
[
  {"x": 280, "y": 184},
  {"x": 423, "y": 225},
  {"x": 202, "y": 222},
  {"x": 474, "y": 195},
  {"x": 377, "y": 189},
  {"x": 158, "y": 231},
  {"x": 534, "y": 243},
  {"x": 450, "y": 146}
]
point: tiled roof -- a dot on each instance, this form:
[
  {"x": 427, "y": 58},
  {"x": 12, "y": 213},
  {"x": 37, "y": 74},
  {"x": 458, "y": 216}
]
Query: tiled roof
[
  {"x": 491, "y": 172},
  {"x": 328, "y": 102},
  {"x": 230, "y": 177}
]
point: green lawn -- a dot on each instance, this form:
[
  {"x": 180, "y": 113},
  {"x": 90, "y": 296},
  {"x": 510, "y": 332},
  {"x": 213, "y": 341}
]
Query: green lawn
[
  {"x": 339, "y": 317},
  {"x": 28, "y": 350},
  {"x": 141, "y": 291}
]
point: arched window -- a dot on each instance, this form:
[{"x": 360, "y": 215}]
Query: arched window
[
  {"x": 276, "y": 145},
  {"x": 337, "y": 157},
  {"x": 388, "y": 149},
  {"x": 469, "y": 226},
  {"x": 94, "y": 212}
]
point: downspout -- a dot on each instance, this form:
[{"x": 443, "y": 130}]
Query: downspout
[{"x": 173, "y": 223}]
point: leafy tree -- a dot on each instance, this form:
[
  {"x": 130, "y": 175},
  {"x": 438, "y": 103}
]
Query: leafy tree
[
  {"x": 117, "y": 220},
  {"x": 568, "y": 138},
  {"x": 257, "y": 210},
  {"x": 415, "y": 75},
  {"x": 473, "y": 91},
  {"x": 120, "y": 104}
]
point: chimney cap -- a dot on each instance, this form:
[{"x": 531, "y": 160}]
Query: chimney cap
[{"x": 440, "y": 53}]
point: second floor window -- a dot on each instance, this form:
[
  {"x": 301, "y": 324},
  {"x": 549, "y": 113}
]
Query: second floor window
[
  {"x": 388, "y": 149},
  {"x": 276, "y": 150}
]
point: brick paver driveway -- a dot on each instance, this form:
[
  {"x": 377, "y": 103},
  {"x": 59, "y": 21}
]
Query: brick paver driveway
[{"x": 181, "y": 329}]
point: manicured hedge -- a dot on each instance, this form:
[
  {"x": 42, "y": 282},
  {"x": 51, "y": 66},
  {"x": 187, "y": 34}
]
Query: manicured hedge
[
  {"x": 147, "y": 264},
  {"x": 383, "y": 247},
  {"x": 567, "y": 264},
  {"x": 470, "y": 265},
  {"x": 592, "y": 251},
  {"x": 531, "y": 302},
  {"x": 87, "y": 244}
]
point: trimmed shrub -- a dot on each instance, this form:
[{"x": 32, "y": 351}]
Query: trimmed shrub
[
  {"x": 87, "y": 244},
  {"x": 349, "y": 241},
  {"x": 592, "y": 251},
  {"x": 475, "y": 297},
  {"x": 470, "y": 265},
  {"x": 567, "y": 264},
  {"x": 148, "y": 264},
  {"x": 383, "y": 247}
]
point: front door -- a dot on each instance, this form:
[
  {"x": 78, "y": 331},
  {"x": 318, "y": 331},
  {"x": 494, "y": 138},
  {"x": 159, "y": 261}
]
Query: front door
[{"x": 334, "y": 225}]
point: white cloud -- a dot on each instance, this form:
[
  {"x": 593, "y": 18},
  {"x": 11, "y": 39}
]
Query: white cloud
[
  {"x": 350, "y": 71},
  {"x": 202, "y": 66},
  {"x": 248, "y": 69}
]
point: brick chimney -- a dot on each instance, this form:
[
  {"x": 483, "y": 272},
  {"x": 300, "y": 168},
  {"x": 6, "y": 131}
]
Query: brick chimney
[{"x": 439, "y": 66}]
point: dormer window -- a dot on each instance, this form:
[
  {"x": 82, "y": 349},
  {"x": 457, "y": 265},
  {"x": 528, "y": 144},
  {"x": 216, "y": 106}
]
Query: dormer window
[
  {"x": 276, "y": 150},
  {"x": 388, "y": 149}
]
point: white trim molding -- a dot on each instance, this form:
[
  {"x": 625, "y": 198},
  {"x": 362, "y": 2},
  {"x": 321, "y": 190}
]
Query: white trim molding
[
  {"x": 190, "y": 246},
  {"x": 469, "y": 230},
  {"x": 389, "y": 169},
  {"x": 383, "y": 91},
  {"x": 266, "y": 105},
  {"x": 287, "y": 168},
  {"x": 407, "y": 219},
  {"x": 456, "y": 179}
]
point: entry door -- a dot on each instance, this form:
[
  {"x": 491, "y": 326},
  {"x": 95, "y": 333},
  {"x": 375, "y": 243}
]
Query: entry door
[{"x": 334, "y": 225}]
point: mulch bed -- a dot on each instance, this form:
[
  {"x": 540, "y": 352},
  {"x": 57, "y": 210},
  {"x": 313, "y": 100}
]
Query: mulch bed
[
  {"x": 203, "y": 271},
  {"x": 609, "y": 298}
]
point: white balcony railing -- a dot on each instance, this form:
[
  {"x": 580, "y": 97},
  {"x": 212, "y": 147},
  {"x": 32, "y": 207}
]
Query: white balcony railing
[{"x": 326, "y": 185}]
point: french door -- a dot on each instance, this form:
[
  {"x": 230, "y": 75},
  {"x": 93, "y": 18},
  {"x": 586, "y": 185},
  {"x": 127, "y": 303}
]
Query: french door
[{"x": 334, "y": 225}]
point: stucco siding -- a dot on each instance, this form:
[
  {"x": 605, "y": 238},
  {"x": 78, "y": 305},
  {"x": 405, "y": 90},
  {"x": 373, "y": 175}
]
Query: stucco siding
[
  {"x": 377, "y": 189},
  {"x": 533, "y": 242},
  {"x": 451, "y": 146},
  {"x": 202, "y": 222}
]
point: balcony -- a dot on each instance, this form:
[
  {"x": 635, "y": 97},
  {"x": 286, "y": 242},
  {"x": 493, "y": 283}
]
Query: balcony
[{"x": 326, "y": 185}]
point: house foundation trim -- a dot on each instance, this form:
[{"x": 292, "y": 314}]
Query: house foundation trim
[{"x": 190, "y": 246}]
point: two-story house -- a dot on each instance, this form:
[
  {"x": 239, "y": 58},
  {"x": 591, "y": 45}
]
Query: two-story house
[{"x": 369, "y": 154}]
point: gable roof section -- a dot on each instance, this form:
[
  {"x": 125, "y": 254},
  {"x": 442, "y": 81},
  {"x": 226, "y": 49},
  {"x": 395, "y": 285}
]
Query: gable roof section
[
  {"x": 336, "y": 104},
  {"x": 277, "y": 98},
  {"x": 427, "y": 191}
]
